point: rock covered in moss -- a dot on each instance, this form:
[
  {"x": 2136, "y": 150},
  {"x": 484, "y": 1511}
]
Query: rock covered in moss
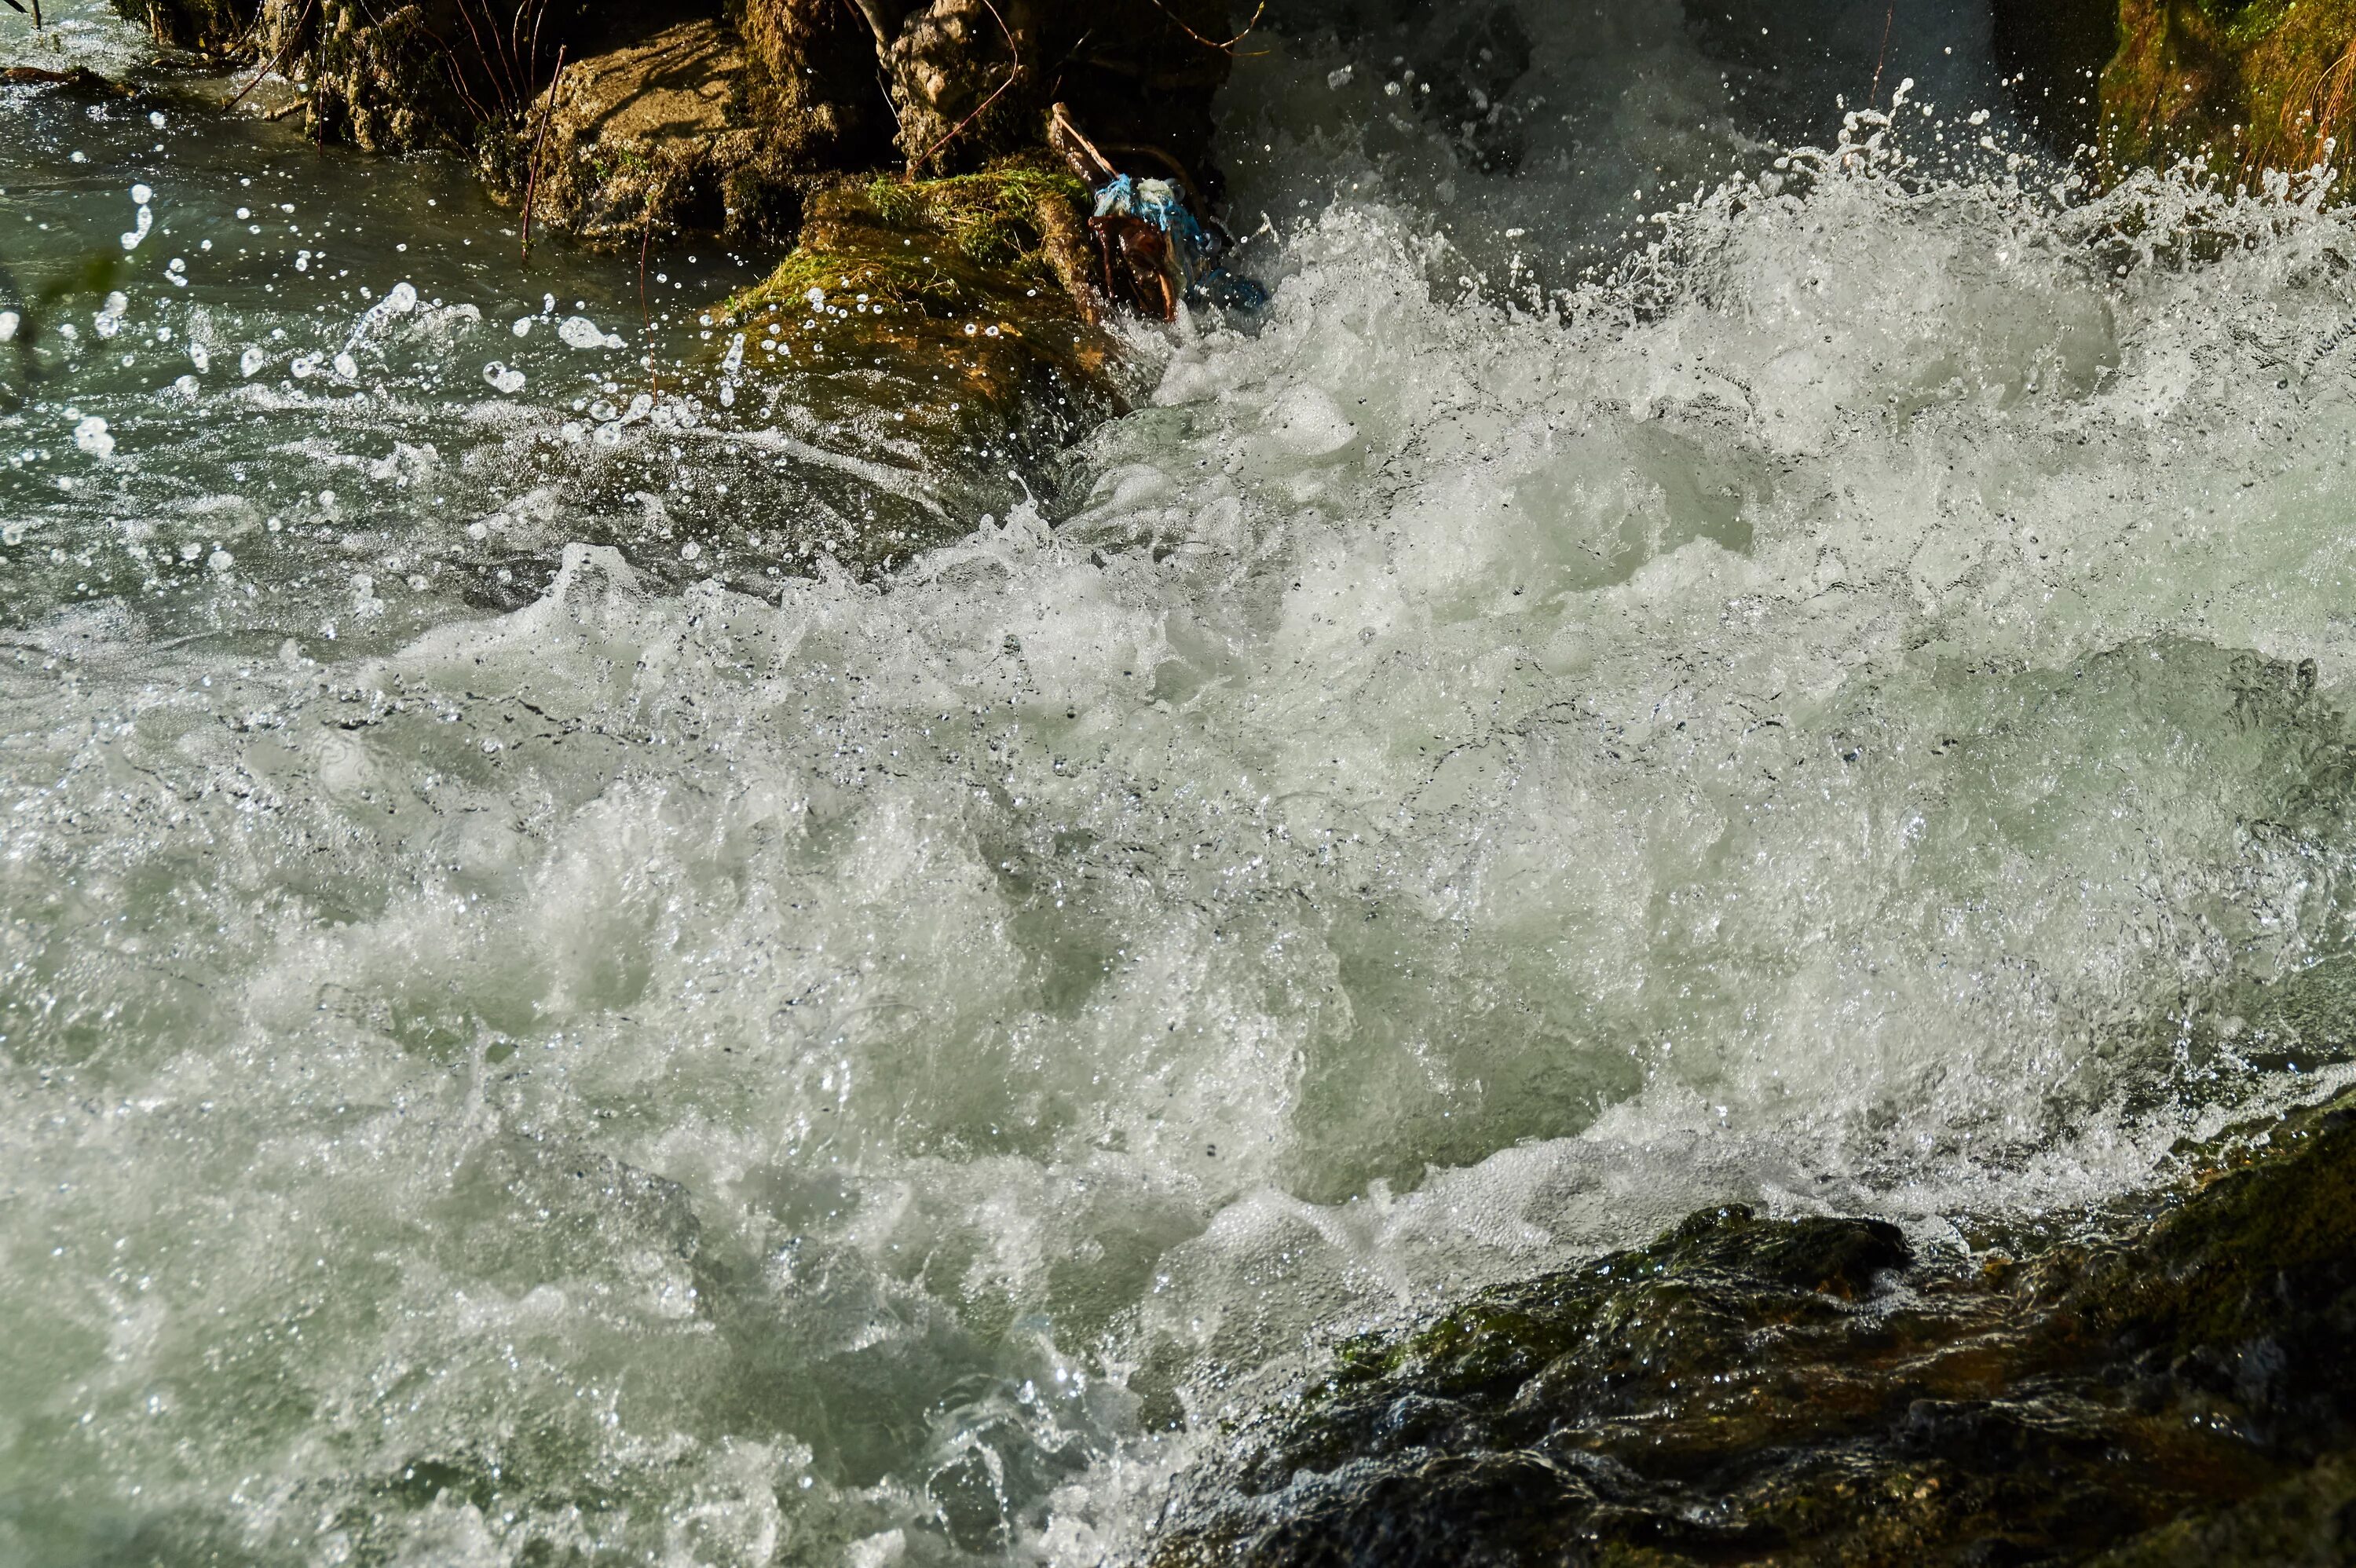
[
  {"x": 965, "y": 283},
  {"x": 650, "y": 134},
  {"x": 1803, "y": 1391},
  {"x": 613, "y": 120},
  {"x": 936, "y": 321},
  {"x": 2245, "y": 86}
]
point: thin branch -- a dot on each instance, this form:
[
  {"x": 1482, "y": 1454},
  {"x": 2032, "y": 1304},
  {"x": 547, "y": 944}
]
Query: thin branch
[
  {"x": 283, "y": 56},
  {"x": 872, "y": 13},
  {"x": 531, "y": 182},
  {"x": 503, "y": 90},
  {"x": 1066, "y": 137},
  {"x": 1013, "y": 71},
  {"x": 1874, "y": 95},
  {"x": 1227, "y": 47}
]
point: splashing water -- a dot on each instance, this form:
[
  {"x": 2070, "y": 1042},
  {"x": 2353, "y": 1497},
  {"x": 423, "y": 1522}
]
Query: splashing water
[{"x": 682, "y": 1053}]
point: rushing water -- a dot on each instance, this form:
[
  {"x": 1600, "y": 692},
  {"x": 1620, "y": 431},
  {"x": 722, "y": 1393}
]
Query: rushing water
[{"x": 542, "y": 1020}]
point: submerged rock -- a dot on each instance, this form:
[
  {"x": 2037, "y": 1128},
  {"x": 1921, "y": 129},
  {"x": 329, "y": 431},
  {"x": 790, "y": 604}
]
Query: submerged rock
[{"x": 2174, "y": 1390}]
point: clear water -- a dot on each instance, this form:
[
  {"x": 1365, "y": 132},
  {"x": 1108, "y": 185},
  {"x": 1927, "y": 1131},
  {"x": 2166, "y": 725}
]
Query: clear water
[{"x": 540, "y": 1023}]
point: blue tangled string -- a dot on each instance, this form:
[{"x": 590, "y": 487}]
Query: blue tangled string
[{"x": 1198, "y": 249}]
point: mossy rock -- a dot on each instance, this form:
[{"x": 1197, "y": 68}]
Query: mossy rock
[
  {"x": 920, "y": 346},
  {"x": 2244, "y": 86},
  {"x": 1803, "y": 1390},
  {"x": 945, "y": 307}
]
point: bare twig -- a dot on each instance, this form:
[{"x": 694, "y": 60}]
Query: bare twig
[
  {"x": 285, "y": 55},
  {"x": 1874, "y": 96},
  {"x": 1086, "y": 161},
  {"x": 504, "y": 91},
  {"x": 875, "y": 16},
  {"x": 1227, "y": 47},
  {"x": 1013, "y": 71},
  {"x": 531, "y": 181}
]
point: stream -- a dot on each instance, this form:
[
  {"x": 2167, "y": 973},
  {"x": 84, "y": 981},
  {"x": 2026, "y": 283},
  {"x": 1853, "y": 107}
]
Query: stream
[{"x": 597, "y": 969}]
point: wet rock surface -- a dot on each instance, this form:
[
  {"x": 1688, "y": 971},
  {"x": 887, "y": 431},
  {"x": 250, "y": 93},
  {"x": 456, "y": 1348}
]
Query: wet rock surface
[
  {"x": 696, "y": 115},
  {"x": 964, "y": 308},
  {"x": 2173, "y": 1390},
  {"x": 933, "y": 326},
  {"x": 2245, "y": 86}
]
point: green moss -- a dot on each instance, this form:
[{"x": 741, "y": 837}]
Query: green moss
[
  {"x": 1745, "y": 1390},
  {"x": 943, "y": 247},
  {"x": 990, "y": 217},
  {"x": 2243, "y": 88}
]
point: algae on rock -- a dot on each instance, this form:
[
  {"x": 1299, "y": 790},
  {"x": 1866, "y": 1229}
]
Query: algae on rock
[
  {"x": 945, "y": 307},
  {"x": 617, "y": 120},
  {"x": 2245, "y": 86},
  {"x": 1803, "y": 1391}
]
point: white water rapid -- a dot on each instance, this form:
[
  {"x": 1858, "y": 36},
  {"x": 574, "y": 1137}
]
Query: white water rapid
[{"x": 521, "y": 1046}]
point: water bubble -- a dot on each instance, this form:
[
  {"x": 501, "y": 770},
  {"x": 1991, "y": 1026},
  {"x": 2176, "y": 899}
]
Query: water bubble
[
  {"x": 522, "y": 327},
  {"x": 346, "y": 367},
  {"x": 252, "y": 359},
  {"x": 502, "y": 379},
  {"x": 142, "y": 195},
  {"x": 9, "y": 320},
  {"x": 139, "y": 228},
  {"x": 200, "y": 356},
  {"x": 220, "y": 559},
  {"x": 91, "y": 434},
  {"x": 580, "y": 332},
  {"x": 155, "y": 118}
]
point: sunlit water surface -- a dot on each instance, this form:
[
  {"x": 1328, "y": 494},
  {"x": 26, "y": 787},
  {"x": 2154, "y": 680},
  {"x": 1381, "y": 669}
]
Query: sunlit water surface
[{"x": 542, "y": 1020}]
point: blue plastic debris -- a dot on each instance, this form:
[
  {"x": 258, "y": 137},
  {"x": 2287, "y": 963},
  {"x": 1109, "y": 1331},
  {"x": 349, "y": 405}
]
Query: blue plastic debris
[{"x": 1197, "y": 246}]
